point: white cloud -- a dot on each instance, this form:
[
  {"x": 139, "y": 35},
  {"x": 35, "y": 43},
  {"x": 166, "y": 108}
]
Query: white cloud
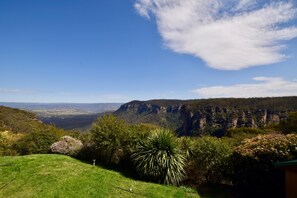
[
  {"x": 263, "y": 87},
  {"x": 10, "y": 90},
  {"x": 226, "y": 34}
]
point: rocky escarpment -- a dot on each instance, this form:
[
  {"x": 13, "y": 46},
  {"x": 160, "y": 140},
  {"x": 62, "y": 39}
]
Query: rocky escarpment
[
  {"x": 216, "y": 120},
  {"x": 209, "y": 116},
  {"x": 165, "y": 113},
  {"x": 140, "y": 107}
]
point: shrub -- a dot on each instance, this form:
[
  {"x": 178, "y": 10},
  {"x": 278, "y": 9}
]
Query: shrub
[
  {"x": 289, "y": 125},
  {"x": 209, "y": 161},
  {"x": 110, "y": 136},
  {"x": 67, "y": 146},
  {"x": 159, "y": 159},
  {"x": 253, "y": 163},
  {"x": 35, "y": 142},
  {"x": 7, "y": 139},
  {"x": 112, "y": 141},
  {"x": 245, "y": 130},
  {"x": 88, "y": 152},
  {"x": 187, "y": 144},
  {"x": 138, "y": 133}
]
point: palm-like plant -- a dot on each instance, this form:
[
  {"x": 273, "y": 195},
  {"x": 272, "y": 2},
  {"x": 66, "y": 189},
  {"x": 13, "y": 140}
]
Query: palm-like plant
[{"x": 159, "y": 158}]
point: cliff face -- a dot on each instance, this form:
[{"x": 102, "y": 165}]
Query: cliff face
[
  {"x": 211, "y": 116},
  {"x": 216, "y": 120},
  {"x": 165, "y": 115},
  {"x": 147, "y": 107}
]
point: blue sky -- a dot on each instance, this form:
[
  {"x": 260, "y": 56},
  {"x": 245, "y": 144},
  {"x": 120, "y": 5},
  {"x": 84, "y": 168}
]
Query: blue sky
[{"x": 118, "y": 51}]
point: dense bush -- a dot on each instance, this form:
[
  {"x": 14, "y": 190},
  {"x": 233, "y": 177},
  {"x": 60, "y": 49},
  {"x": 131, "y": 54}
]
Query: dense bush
[
  {"x": 142, "y": 131},
  {"x": 88, "y": 152},
  {"x": 110, "y": 136},
  {"x": 187, "y": 144},
  {"x": 209, "y": 160},
  {"x": 253, "y": 163},
  {"x": 112, "y": 141},
  {"x": 289, "y": 125},
  {"x": 7, "y": 140},
  {"x": 245, "y": 130},
  {"x": 35, "y": 142},
  {"x": 159, "y": 158}
]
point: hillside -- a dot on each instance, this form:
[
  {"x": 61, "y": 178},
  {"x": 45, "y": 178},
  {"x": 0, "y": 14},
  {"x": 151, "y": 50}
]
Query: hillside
[
  {"x": 62, "y": 176},
  {"x": 18, "y": 121},
  {"x": 209, "y": 116},
  {"x": 68, "y": 116}
]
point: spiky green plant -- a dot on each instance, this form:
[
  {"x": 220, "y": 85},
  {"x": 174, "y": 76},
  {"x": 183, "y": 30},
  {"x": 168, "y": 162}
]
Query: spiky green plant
[{"x": 159, "y": 159}]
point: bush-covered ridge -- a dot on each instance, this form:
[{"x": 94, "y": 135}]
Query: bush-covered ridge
[
  {"x": 21, "y": 133},
  {"x": 273, "y": 103},
  {"x": 279, "y": 103},
  {"x": 18, "y": 121}
]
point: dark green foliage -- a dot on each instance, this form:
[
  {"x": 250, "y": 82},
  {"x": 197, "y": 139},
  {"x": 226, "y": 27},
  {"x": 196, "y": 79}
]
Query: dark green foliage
[
  {"x": 159, "y": 158},
  {"x": 245, "y": 130},
  {"x": 289, "y": 125},
  {"x": 252, "y": 163},
  {"x": 139, "y": 132},
  {"x": 237, "y": 135},
  {"x": 88, "y": 152},
  {"x": 110, "y": 136},
  {"x": 209, "y": 160},
  {"x": 112, "y": 141},
  {"x": 273, "y": 104},
  {"x": 35, "y": 142},
  {"x": 187, "y": 144}
]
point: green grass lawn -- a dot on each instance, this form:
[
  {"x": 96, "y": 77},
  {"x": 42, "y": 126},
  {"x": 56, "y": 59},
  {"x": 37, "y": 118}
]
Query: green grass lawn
[{"x": 63, "y": 176}]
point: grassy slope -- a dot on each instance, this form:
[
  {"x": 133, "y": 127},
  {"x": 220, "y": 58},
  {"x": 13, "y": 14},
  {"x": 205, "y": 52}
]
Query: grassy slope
[{"x": 62, "y": 176}]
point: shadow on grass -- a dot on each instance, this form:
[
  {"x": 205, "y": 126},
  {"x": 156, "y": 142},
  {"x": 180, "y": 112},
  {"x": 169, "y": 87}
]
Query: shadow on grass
[
  {"x": 124, "y": 168},
  {"x": 206, "y": 191},
  {"x": 218, "y": 191}
]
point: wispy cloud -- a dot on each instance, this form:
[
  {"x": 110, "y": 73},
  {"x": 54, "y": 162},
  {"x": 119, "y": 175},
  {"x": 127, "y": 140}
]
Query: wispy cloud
[
  {"x": 226, "y": 34},
  {"x": 263, "y": 87},
  {"x": 10, "y": 90}
]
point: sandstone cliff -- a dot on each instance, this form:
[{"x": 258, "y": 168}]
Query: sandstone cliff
[{"x": 208, "y": 116}]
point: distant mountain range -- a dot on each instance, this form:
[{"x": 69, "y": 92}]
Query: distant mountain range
[{"x": 71, "y": 108}]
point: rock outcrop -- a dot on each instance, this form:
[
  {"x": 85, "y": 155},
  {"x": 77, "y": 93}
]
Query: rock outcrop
[
  {"x": 209, "y": 116},
  {"x": 67, "y": 146}
]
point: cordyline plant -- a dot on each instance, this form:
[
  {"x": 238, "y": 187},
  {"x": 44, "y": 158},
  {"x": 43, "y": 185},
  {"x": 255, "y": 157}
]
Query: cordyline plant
[{"x": 159, "y": 159}]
